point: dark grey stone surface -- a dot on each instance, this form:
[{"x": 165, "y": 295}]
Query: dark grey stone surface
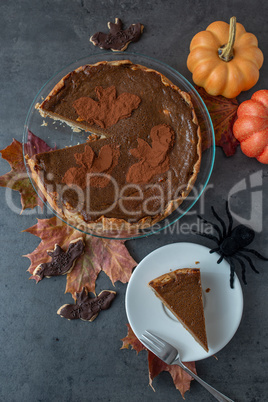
[{"x": 46, "y": 358}]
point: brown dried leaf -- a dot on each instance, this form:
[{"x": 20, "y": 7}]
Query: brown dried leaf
[
  {"x": 223, "y": 115},
  {"x": 17, "y": 179},
  {"x": 111, "y": 256},
  {"x": 132, "y": 340},
  {"x": 115, "y": 259},
  {"x": 51, "y": 231},
  {"x": 181, "y": 379}
]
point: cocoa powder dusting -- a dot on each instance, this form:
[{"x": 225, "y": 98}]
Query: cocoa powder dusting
[
  {"x": 109, "y": 109},
  {"x": 153, "y": 159},
  {"x": 94, "y": 170}
]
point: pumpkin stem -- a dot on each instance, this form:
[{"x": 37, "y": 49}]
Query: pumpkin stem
[{"x": 226, "y": 52}]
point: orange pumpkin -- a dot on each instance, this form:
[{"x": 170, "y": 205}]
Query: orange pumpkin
[
  {"x": 225, "y": 59},
  {"x": 251, "y": 126}
]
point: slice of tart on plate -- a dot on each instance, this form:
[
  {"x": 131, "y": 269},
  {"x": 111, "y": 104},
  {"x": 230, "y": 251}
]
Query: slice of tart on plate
[{"x": 181, "y": 292}]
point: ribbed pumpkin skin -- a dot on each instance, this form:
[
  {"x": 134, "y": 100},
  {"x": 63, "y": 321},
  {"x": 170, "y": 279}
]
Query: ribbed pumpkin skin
[
  {"x": 219, "y": 77},
  {"x": 251, "y": 126}
]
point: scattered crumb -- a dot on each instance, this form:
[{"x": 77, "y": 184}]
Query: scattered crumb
[
  {"x": 50, "y": 176},
  {"x": 166, "y": 112},
  {"x": 197, "y": 262},
  {"x": 76, "y": 130},
  {"x": 44, "y": 123},
  {"x": 208, "y": 290},
  {"x": 92, "y": 137}
]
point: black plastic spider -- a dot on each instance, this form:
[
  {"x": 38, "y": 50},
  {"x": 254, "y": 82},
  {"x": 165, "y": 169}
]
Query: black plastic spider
[{"x": 231, "y": 243}]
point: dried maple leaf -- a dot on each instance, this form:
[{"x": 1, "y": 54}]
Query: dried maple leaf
[
  {"x": 18, "y": 179},
  {"x": 35, "y": 145},
  {"x": 109, "y": 109},
  {"x": 180, "y": 378},
  {"x": 132, "y": 340},
  {"x": 51, "y": 231},
  {"x": 223, "y": 115},
  {"x": 110, "y": 256}
]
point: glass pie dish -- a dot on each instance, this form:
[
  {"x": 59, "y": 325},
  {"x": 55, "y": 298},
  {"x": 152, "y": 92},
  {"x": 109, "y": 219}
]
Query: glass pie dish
[{"x": 56, "y": 134}]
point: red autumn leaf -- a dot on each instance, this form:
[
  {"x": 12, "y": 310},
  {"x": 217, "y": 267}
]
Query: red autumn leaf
[
  {"x": 35, "y": 145},
  {"x": 110, "y": 256},
  {"x": 18, "y": 179},
  {"x": 132, "y": 340},
  {"x": 181, "y": 379},
  {"x": 223, "y": 115},
  {"x": 51, "y": 231},
  {"x": 86, "y": 269}
]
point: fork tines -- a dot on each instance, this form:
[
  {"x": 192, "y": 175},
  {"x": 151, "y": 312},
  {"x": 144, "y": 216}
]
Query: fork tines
[{"x": 152, "y": 342}]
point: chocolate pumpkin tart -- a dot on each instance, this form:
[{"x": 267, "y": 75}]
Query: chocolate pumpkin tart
[
  {"x": 181, "y": 293},
  {"x": 142, "y": 159}
]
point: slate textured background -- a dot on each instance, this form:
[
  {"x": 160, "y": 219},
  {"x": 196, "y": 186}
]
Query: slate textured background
[{"x": 44, "y": 357}]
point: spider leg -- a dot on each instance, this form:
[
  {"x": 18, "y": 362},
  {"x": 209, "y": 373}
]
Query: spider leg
[
  {"x": 221, "y": 222},
  {"x": 230, "y": 218},
  {"x": 220, "y": 259},
  {"x": 255, "y": 253},
  {"x": 208, "y": 236},
  {"x": 213, "y": 250},
  {"x": 243, "y": 266},
  {"x": 249, "y": 261},
  {"x": 232, "y": 271},
  {"x": 214, "y": 225}
]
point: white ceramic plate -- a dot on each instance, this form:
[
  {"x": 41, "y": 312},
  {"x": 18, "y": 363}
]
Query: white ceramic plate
[{"x": 223, "y": 306}]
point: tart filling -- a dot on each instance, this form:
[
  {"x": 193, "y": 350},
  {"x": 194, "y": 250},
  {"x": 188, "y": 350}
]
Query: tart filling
[
  {"x": 181, "y": 292},
  {"x": 144, "y": 157}
]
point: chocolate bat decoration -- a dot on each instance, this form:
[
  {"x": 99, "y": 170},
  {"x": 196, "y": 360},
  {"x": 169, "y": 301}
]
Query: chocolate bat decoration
[
  {"x": 87, "y": 308},
  {"x": 61, "y": 262},
  {"x": 118, "y": 38}
]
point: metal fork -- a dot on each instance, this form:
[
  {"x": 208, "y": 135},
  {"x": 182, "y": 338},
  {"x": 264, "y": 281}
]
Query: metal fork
[{"x": 170, "y": 355}]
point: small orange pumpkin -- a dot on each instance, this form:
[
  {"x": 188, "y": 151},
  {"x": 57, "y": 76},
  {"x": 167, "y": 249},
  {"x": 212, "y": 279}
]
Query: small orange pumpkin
[
  {"x": 251, "y": 126},
  {"x": 225, "y": 59}
]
